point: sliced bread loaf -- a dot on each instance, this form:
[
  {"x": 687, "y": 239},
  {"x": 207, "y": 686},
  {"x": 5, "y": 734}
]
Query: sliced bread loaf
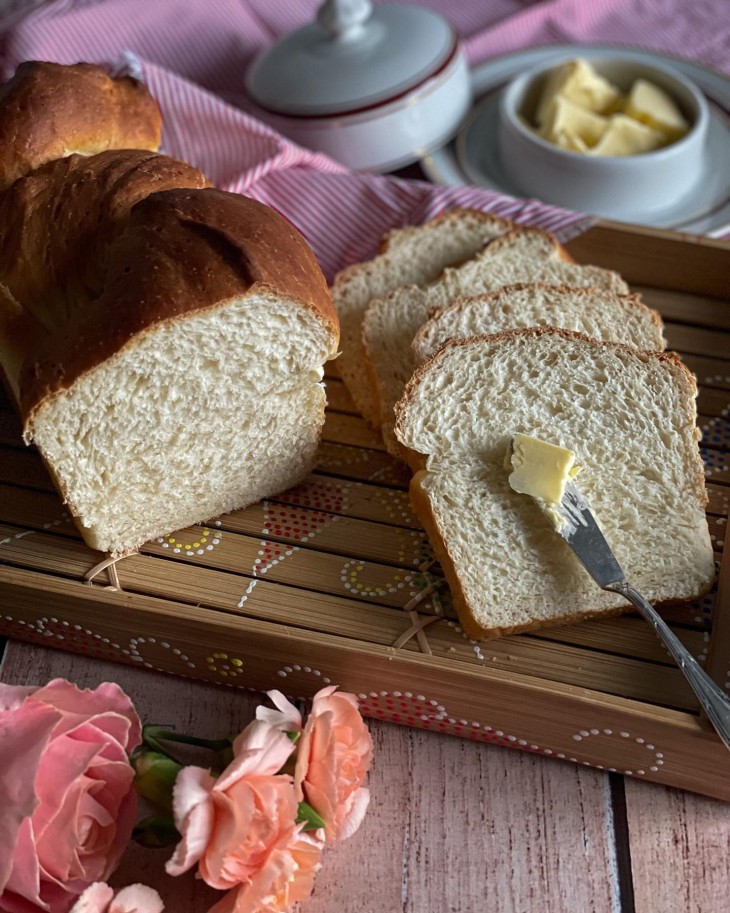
[
  {"x": 594, "y": 312},
  {"x": 630, "y": 417},
  {"x": 413, "y": 255},
  {"x": 524, "y": 255},
  {"x": 188, "y": 385},
  {"x": 163, "y": 341}
]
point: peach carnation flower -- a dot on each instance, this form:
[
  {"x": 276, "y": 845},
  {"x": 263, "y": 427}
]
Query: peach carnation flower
[
  {"x": 333, "y": 758},
  {"x": 240, "y": 828},
  {"x": 287, "y": 877}
]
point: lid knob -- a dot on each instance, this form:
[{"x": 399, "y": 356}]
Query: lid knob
[{"x": 343, "y": 19}]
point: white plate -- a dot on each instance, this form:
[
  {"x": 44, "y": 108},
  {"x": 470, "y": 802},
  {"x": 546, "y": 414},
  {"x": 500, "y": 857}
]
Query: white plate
[{"x": 471, "y": 158}]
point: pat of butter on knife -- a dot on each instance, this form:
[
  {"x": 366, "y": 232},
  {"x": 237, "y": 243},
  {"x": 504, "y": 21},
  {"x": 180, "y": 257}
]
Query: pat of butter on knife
[{"x": 541, "y": 470}]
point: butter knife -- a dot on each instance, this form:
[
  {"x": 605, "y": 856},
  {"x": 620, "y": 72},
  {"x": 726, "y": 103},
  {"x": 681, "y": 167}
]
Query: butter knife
[{"x": 585, "y": 538}]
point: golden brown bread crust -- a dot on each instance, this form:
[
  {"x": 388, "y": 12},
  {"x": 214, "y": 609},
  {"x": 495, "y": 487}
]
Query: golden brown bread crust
[
  {"x": 56, "y": 225},
  {"x": 181, "y": 251},
  {"x": 48, "y": 110},
  {"x": 56, "y": 222},
  {"x": 507, "y": 240}
]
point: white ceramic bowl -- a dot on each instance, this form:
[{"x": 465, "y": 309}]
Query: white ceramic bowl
[
  {"x": 609, "y": 186},
  {"x": 375, "y": 87}
]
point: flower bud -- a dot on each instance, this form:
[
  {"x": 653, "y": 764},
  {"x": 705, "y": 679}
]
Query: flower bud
[{"x": 155, "y": 776}]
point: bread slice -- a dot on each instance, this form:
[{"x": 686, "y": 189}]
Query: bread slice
[
  {"x": 594, "y": 312},
  {"x": 524, "y": 255},
  {"x": 189, "y": 383},
  {"x": 630, "y": 417},
  {"x": 413, "y": 255}
]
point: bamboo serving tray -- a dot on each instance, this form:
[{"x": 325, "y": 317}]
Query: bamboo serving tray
[{"x": 309, "y": 588}]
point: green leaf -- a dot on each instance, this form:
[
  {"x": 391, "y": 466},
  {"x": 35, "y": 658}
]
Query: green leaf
[{"x": 312, "y": 820}]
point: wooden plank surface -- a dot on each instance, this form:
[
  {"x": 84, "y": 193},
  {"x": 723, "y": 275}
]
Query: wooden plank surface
[
  {"x": 655, "y": 257},
  {"x": 454, "y": 825},
  {"x": 680, "y": 850}
]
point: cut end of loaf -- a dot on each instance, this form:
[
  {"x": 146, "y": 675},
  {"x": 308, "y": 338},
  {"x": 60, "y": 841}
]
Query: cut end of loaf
[{"x": 209, "y": 413}]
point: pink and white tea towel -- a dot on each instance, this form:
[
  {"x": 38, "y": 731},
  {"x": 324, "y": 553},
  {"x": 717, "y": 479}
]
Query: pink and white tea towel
[{"x": 193, "y": 56}]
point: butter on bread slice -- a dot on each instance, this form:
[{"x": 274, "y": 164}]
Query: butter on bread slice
[
  {"x": 626, "y": 136},
  {"x": 579, "y": 83},
  {"x": 652, "y": 106},
  {"x": 507, "y": 569}
]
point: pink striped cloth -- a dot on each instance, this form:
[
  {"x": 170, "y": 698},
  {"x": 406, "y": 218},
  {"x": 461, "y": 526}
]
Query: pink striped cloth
[{"x": 193, "y": 56}]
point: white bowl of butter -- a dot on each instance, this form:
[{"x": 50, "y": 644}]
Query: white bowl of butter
[{"x": 611, "y": 137}]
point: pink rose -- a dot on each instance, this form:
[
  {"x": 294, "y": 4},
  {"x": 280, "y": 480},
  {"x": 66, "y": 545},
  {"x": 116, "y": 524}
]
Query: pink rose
[
  {"x": 333, "y": 757},
  {"x": 100, "y": 898},
  {"x": 67, "y": 807},
  {"x": 240, "y": 828}
]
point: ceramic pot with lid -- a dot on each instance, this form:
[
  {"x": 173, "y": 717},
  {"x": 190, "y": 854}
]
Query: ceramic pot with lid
[{"x": 374, "y": 87}]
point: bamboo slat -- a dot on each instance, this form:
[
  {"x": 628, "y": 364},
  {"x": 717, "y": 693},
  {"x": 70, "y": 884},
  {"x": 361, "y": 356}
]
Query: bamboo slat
[
  {"x": 685, "y": 307},
  {"x": 338, "y": 398}
]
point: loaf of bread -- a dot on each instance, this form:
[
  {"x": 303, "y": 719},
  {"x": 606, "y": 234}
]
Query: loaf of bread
[
  {"x": 415, "y": 255},
  {"x": 630, "y": 417},
  {"x": 525, "y": 255},
  {"x": 163, "y": 340},
  {"x": 50, "y": 111},
  {"x": 594, "y": 312}
]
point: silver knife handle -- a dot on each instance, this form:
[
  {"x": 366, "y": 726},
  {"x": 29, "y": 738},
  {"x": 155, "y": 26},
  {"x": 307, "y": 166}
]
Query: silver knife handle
[{"x": 713, "y": 699}]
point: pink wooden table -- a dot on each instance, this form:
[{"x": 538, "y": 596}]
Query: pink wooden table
[{"x": 454, "y": 825}]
